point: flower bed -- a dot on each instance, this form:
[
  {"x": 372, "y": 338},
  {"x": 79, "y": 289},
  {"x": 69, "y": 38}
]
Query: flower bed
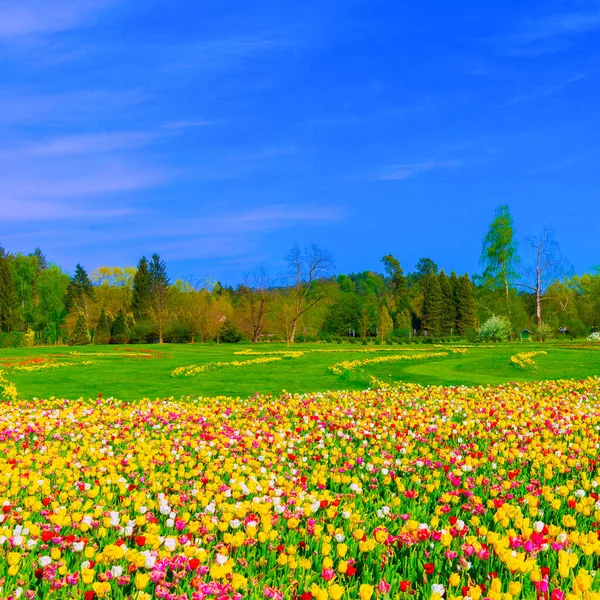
[
  {"x": 453, "y": 492},
  {"x": 351, "y": 365},
  {"x": 524, "y": 360}
]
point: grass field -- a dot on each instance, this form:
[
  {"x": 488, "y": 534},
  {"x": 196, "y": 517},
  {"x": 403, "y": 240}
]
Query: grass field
[{"x": 128, "y": 376}]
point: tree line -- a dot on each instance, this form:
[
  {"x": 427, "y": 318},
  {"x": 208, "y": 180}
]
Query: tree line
[{"x": 41, "y": 304}]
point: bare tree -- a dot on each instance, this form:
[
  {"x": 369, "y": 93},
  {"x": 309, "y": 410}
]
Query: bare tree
[
  {"x": 256, "y": 295},
  {"x": 305, "y": 268},
  {"x": 549, "y": 266}
]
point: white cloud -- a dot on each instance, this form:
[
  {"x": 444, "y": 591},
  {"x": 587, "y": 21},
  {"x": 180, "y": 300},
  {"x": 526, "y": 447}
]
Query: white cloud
[
  {"x": 19, "y": 18},
  {"x": 404, "y": 171}
]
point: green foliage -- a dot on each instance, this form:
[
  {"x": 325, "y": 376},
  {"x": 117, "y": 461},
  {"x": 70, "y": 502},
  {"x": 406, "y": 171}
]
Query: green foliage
[
  {"x": 495, "y": 329},
  {"x": 448, "y": 319},
  {"x": 80, "y": 291},
  {"x": 119, "y": 333},
  {"x": 342, "y": 315},
  {"x": 466, "y": 309},
  {"x": 230, "y": 334},
  {"x": 544, "y": 332},
  {"x": 404, "y": 320},
  {"x": 8, "y": 297},
  {"x": 386, "y": 325},
  {"x": 142, "y": 290},
  {"x": 499, "y": 252},
  {"x": 14, "y": 339},
  {"x": 425, "y": 266},
  {"x": 433, "y": 304},
  {"x": 80, "y": 336},
  {"x": 102, "y": 333}
]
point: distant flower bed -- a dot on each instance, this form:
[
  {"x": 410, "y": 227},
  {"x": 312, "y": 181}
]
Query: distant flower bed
[
  {"x": 350, "y": 365},
  {"x": 8, "y": 390},
  {"x": 524, "y": 360},
  {"x": 192, "y": 370}
]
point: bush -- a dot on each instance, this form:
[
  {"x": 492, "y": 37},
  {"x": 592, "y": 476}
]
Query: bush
[
  {"x": 471, "y": 335},
  {"x": 176, "y": 333},
  {"x": 496, "y": 329},
  {"x": 102, "y": 333},
  {"x": 143, "y": 332},
  {"x": 80, "y": 336},
  {"x": 544, "y": 332},
  {"x": 13, "y": 339},
  {"x": 119, "y": 333},
  {"x": 230, "y": 334}
]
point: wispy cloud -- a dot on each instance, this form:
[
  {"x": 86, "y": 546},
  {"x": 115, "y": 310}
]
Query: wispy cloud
[
  {"x": 21, "y": 18},
  {"x": 38, "y": 210},
  {"x": 549, "y": 33},
  {"x": 550, "y": 90},
  {"x": 18, "y": 108},
  {"x": 404, "y": 171},
  {"x": 98, "y": 143}
]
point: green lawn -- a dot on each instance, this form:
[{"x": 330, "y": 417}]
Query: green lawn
[{"x": 133, "y": 378}]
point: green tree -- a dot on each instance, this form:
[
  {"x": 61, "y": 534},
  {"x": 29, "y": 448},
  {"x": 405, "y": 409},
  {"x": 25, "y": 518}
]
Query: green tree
[
  {"x": 499, "y": 254},
  {"x": 24, "y": 270},
  {"x": 425, "y": 266},
  {"x": 386, "y": 325},
  {"x": 119, "y": 333},
  {"x": 404, "y": 322},
  {"x": 80, "y": 291},
  {"x": 448, "y": 306},
  {"x": 159, "y": 293},
  {"x": 466, "y": 309},
  {"x": 80, "y": 336},
  {"x": 433, "y": 304},
  {"x": 51, "y": 288},
  {"x": 8, "y": 296},
  {"x": 142, "y": 290},
  {"x": 397, "y": 280},
  {"x": 41, "y": 259},
  {"x": 102, "y": 333}
]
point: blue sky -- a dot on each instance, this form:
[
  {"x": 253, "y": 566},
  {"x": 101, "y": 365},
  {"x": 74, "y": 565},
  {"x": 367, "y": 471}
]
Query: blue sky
[{"x": 220, "y": 133}]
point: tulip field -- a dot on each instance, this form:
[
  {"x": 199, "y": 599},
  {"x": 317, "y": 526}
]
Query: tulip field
[{"x": 396, "y": 490}]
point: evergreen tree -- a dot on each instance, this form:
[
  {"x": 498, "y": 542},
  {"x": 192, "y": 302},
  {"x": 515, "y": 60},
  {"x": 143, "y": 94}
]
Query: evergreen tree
[
  {"x": 404, "y": 322},
  {"x": 386, "y": 325},
  {"x": 119, "y": 332},
  {"x": 425, "y": 266},
  {"x": 142, "y": 291},
  {"x": 80, "y": 291},
  {"x": 466, "y": 315},
  {"x": 433, "y": 304},
  {"x": 8, "y": 296},
  {"x": 159, "y": 297},
  {"x": 398, "y": 282},
  {"x": 80, "y": 336},
  {"x": 449, "y": 310},
  {"x": 42, "y": 261},
  {"x": 102, "y": 334}
]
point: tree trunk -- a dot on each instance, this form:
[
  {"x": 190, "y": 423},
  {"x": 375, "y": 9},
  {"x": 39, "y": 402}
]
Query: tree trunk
[{"x": 293, "y": 332}]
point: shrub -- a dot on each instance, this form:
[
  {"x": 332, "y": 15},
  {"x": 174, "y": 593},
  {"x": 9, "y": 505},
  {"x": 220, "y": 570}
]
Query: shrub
[
  {"x": 471, "y": 335},
  {"x": 119, "y": 333},
  {"x": 13, "y": 339},
  {"x": 143, "y": 332},
  {"x": 230, "y": 334},
  {"x": 102, "y": 333},
  {"x": 496, "y": 329},
  {"x": 80, "y": 336},
  {"x": 544, "y": 332}
]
